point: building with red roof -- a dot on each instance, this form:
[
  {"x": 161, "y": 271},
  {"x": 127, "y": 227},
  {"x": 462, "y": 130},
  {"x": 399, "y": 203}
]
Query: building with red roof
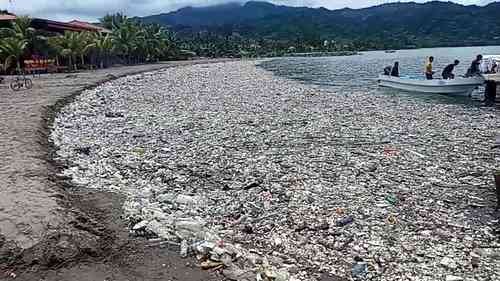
[
  {"x": 57, "y": 26},
  {"x": 89, "y": 26},
  {"x": 7, "y": 17},
  {"x": 61, "y": 27}
]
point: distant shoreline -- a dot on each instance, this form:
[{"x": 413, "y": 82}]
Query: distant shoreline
[
  {"x": 323, "y": 54},
  {"x": 354, "y": 53},
  {"x": 433, "y": 47}
]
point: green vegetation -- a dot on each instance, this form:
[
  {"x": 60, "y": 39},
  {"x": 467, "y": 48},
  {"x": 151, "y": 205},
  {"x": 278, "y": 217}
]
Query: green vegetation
[
  {"x": 15, "y": 41},
  {"x": 135, "y": 42},
  {"x": 264, "y": 28},
  {"x": 254, "y": 29},
  {"x": 12, "y": 49},
  {"x": 213, "y": 45},
  {"x": 129, "y": 42},
  {"x": 70, "y": 46},
  {"x": 103, "y": 47}
]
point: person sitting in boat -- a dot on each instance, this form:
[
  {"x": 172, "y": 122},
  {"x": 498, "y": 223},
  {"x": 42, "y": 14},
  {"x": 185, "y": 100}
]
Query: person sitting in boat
[
  {"x": 448, "y": 70},
  {"x": 474, "y": 67},
  {"x": 395, "y": 70},
  {"x": 387, "y": 70},
  {"x": 494, "y": 67},
  {"x": 428, "y": 69}
]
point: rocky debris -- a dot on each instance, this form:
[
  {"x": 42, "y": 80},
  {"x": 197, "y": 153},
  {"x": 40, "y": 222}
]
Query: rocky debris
[
  {"x": 345, "y": 221},
  {"x": 359, "y": 269},
  {"x": 114, "y": 114},
  {"x": 453, "y": 278},
  {"x": 448, "y": 262},
  {"x": 475, "y": 259},
  {"x": 252, "y": 173},
  {"x": 141, "y": 225}
]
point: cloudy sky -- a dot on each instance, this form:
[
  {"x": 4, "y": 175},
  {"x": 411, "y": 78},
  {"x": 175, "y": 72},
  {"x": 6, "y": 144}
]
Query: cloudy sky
[{"x": 92, "y": 9}]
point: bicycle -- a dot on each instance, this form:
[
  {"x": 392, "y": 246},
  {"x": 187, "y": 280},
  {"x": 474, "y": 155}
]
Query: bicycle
[{"x": 21, "y": 82}]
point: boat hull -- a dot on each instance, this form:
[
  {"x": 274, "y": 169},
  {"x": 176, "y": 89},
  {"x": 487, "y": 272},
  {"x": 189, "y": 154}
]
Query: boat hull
[{"x": 459, "y": 86}]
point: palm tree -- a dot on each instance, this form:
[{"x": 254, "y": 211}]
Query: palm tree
[
  {"x": 125, "y": 39},
  {"x": 136, "y": 42},
  {"x": 159, "y": 41},
  {"x": 152, "y": 42},
  {"x": 71, "y": 42},
  {"x": 21, "y": 28},
  {"x": 113, "y": 21},
  {"x": 55, "y": 43},
  {"x": 67, "y": 45},
  {"x": 13, "y": 49},
  {"x": 103, "y": 44},
  {"x": 84, "y": 44},
  {"x": 141, "y": 48}
]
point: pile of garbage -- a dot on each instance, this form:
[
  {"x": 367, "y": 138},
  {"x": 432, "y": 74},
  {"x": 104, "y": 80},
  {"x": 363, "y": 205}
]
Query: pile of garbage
[
  {"x": 211, "y": 250},
  {"x": 264, "y": 178}
]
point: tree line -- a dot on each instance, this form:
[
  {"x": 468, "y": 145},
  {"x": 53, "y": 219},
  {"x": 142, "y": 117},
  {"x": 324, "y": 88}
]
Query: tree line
[{"x": 129, "y": 42}]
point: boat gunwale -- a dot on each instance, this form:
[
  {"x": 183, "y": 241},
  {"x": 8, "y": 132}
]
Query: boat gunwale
[{"x": 410, "y": 82}]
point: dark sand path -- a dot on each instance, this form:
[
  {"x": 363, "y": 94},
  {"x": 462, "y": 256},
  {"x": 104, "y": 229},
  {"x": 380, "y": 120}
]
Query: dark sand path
[{"x": 49, "y": 231}]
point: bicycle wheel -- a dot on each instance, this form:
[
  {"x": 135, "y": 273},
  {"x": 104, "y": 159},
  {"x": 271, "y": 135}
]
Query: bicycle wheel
[
  {"x": 15, "y": 85},
  {"x": 28, "y": 84}
]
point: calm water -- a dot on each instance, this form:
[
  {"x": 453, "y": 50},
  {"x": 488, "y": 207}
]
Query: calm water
[{"x": 357, "y": 73}]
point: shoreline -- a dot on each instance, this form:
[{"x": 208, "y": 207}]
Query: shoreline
[
  {"x": 249, "y": 158},
  {"x": 85, "y": 226}
]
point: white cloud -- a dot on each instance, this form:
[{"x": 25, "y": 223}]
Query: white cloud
[{"x": 93, "y": 9}]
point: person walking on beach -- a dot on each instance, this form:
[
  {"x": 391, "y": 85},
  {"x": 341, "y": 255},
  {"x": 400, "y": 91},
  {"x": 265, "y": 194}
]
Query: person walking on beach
[
  {"x": 428, "y": 69},
  {"x": 448, "y": 70},
  {"x": 474, "y": 67},
  {"x": 395, "y": 70}
]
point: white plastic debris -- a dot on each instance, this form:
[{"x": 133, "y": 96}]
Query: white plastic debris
[{"x": 264, "y": 168}]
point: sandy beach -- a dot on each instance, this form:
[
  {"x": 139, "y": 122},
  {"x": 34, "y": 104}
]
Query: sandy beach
[
  {"x": 273, "y": 173},
  {"x": 46, "y": 229}
]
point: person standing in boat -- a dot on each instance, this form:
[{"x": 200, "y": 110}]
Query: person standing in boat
[
  {"x": 494, "y": 67},
  {"x": 474, "y": 67},
  {"x": 395, "y": 70},
  {"x": 428, "y": 69},
  {"x": 448, "y": 70}
]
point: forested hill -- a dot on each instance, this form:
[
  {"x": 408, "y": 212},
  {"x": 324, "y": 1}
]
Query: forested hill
[{"x": 396, "y": 25}]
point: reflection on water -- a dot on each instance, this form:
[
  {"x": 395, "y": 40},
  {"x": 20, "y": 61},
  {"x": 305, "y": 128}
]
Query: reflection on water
[{"x": 358, "y": 73}]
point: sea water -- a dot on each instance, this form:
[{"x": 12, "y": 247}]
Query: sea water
[{"x": 359, "y": 72}]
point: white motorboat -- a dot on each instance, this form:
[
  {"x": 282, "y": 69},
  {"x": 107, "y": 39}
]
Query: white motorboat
[{"x": 457, "y": 86}]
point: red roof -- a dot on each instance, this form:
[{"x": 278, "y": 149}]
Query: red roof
[
  {"x": 89, "y": 26},
  {"x": 65, "y": 27},
  {"x": 59, "y": 26},
  {"x": 7, "y": 17}
]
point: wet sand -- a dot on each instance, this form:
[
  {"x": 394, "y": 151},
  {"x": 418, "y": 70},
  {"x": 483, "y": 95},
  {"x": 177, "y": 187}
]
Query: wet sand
[{"x": 48, "y": 230}]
